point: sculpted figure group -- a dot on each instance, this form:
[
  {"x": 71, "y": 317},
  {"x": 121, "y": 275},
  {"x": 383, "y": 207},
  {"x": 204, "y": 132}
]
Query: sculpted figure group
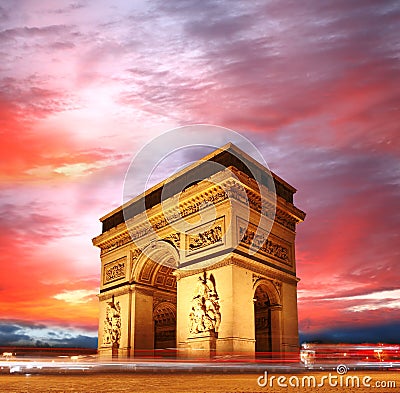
[
  {"x": 205, "y": 315},
  {"x": 112, "y": 324}
]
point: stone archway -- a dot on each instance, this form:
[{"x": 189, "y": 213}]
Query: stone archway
[
  {"x": 164, "y": 316},
  {"x": 156, "y": 258},
  {"x": 262, "y": 320},
  {"x": 267, "y": 332},
  {"x": 155, "y": 287}
]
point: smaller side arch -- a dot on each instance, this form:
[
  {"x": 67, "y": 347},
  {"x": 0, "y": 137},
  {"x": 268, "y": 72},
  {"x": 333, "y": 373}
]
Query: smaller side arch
[
  {"x": 273, "y": 294},
  {"x": 267, "y": 318}
]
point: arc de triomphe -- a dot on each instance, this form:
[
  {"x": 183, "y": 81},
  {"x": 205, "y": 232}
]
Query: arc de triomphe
[{"x": 224, "y": 286}]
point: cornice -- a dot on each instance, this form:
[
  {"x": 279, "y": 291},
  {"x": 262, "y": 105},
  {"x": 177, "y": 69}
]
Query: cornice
[{"x": 155, "y": 220}]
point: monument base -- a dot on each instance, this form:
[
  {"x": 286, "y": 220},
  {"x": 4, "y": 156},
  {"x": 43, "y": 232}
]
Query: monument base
[{"x": 202, "y": 345}]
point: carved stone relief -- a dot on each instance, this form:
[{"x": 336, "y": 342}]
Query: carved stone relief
[
  {"x": 175, "y": 239},
  {"x": 135, "y": 254},
  {"x": 112, "y": 324},
  {"x": 256, "y": 277},
  {"x": 213, "y": 235},
  {"x": 214, "y": 196},
  {"x": 278, "y": 286},
  {"x": 264, "y": 244},
  {"x": 205, "y": 315},
  {"x": 114, "y": 271},
  {"x": 115, "y": 243},
  {"x": 195, "y": 205},
  {"x": 206, "y": 238}
]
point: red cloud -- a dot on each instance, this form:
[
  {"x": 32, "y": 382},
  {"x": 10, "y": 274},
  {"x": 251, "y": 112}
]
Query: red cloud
[{"x": 316, "y": 85}]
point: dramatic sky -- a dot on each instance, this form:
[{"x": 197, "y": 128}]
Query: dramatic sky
[{"x": 313, "y": 84}]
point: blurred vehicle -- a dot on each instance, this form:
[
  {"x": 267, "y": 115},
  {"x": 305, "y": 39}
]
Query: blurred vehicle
[{"x": 313, "y": 354}]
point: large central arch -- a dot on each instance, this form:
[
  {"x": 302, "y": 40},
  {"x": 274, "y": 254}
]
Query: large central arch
[
  {"x": 158, "y": 259},
  {"x": 164, "y": 316},
  {"x": 153, "y": 274}
]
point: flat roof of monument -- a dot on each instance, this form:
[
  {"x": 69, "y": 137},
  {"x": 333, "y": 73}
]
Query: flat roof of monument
[{"x": 227, "y": 155}]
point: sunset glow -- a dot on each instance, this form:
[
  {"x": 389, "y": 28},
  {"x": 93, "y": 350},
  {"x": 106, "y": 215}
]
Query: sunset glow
[{"x": 84, "y": 85}]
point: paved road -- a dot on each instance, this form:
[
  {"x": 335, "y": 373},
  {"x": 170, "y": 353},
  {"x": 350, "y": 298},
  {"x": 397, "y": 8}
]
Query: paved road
[{"x": 185, "y": 382}]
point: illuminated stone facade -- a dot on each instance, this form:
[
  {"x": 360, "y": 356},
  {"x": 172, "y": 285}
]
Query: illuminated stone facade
[{"x": 224, "y": 286}]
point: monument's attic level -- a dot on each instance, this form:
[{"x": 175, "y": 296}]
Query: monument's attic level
[{"x": 225, "y": 157}]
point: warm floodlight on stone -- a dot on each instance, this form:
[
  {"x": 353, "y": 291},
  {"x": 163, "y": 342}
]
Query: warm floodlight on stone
[{"x": 202, "y": 264}]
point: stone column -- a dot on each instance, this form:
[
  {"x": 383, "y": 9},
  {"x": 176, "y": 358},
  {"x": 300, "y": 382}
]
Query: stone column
[
  {"x": 143, "y": 325},
  {"x": 276, "y": 331},
  {"x": 290, "y": 337}
]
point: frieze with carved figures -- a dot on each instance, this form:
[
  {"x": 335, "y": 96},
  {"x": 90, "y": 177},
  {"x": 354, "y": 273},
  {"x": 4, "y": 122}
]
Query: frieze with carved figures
[
  {"x": 208, "y": 237},
  {"x": 264, "y": 244},
  {"x": 217, "y": 195}
]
